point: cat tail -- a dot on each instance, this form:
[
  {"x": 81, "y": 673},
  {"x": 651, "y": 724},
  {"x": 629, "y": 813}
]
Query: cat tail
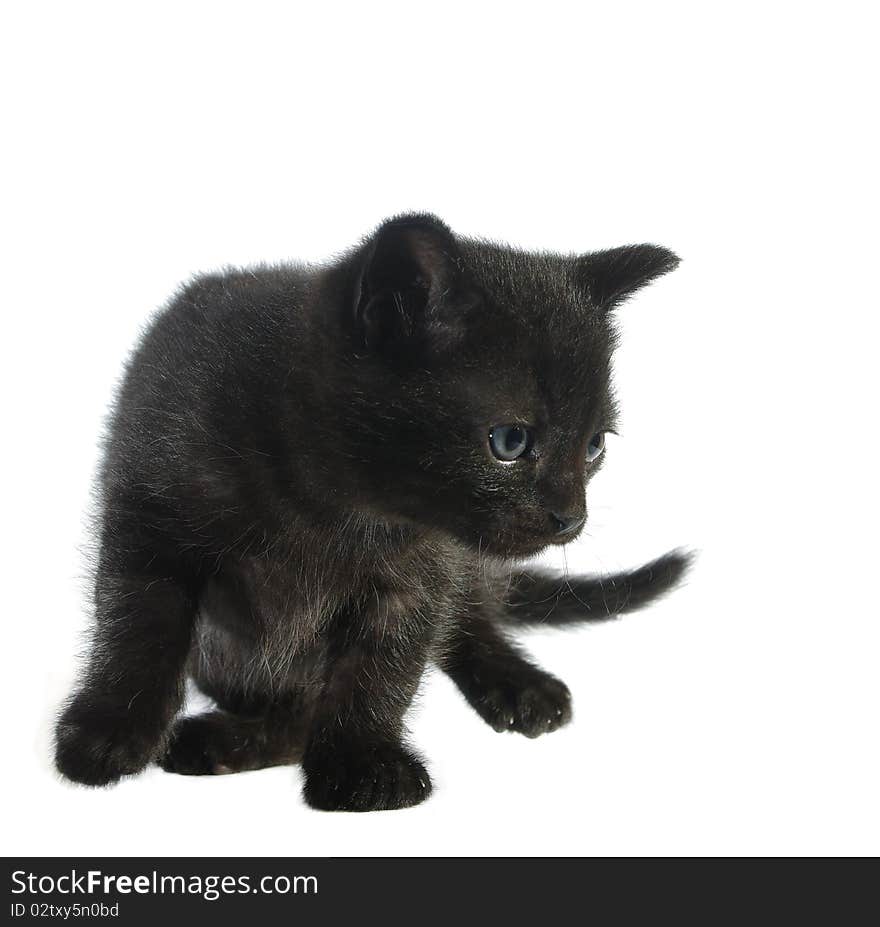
[{"x": 537, "y": 598}]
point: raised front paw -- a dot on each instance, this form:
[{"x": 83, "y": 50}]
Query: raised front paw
[
  {"x": 374, "y": 778},
  {"x": 531, "y": 703},
  {"x": 97, "y": 746}
]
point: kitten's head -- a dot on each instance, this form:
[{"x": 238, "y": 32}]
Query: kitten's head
[{"x": 480, "y": 392}]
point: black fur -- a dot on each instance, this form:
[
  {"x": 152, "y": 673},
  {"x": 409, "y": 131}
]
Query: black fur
[
  {"x": 537, "y": 598},
  {"x": 300, "y": 509}
]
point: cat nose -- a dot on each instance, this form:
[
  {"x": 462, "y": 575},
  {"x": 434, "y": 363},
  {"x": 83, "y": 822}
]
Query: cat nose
[{"x": 567, "y": 523}]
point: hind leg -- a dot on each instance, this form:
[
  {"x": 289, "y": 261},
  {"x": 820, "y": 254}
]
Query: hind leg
[
  {"x": 248, "y": 729},
  {"x": 501, "y": 685},
  {"x": 217, "y": 742},
  {"x": 253, "y": 725}
]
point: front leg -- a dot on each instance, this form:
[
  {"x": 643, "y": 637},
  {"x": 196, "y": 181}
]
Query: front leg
[
  {"x": 116, "y": 722},
  {"x": 503, "y": 687},
  {"x": 355, "y": 759}
]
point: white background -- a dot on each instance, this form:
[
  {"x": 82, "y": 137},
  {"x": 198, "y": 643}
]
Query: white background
[{"x": 144, "y": 143}]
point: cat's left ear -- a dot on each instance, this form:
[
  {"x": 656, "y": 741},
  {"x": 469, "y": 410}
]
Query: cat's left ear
[{"x": 610, "y": 277}]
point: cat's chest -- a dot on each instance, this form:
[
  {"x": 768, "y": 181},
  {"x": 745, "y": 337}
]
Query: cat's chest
[{"x": 302, "y": 585}]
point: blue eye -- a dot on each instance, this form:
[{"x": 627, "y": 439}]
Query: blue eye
[
  {"x": 596, "y": 446},
  {"x": 508, "y": 442}
]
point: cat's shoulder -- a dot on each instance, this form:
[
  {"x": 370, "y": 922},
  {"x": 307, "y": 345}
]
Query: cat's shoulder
[{"x": 237, "y": 289}]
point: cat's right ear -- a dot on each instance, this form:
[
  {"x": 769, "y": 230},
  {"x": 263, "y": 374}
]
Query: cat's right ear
[{"x": 409, "y": 282}]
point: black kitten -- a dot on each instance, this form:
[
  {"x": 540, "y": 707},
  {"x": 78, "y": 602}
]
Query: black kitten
[{"x": 317, "y": 481}]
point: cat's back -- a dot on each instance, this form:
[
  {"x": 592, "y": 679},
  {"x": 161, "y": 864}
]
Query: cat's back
[
  {"x": 223, "y": 336},
  {"x": 219, "y": 316},
  {"x": 196, "y": 409}
]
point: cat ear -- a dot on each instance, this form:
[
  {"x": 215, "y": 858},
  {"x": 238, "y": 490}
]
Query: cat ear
[
  {"x": 612, "y": 276},
  {"x": 409, "y": 281}
]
